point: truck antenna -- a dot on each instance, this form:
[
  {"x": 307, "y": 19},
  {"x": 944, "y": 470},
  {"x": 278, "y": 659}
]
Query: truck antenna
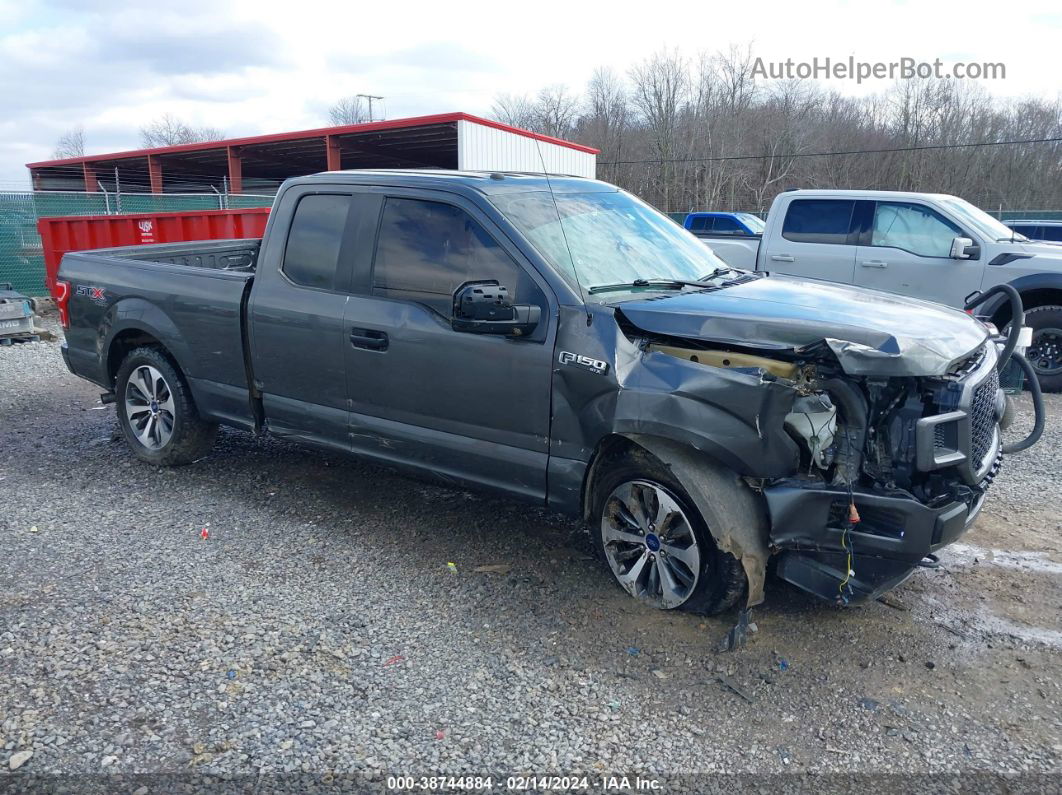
[{"x": 564, "y": 235}]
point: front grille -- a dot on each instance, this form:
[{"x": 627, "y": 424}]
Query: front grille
[{"x": 983, "y": 417}]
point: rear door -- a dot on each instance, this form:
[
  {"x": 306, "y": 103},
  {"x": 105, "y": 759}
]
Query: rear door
[
  {"x": 817, "y": 241},
  {"x": 469, "y": 406},
  {"x": 907, "y": 250},
  {"x": 297, "y": 317}
]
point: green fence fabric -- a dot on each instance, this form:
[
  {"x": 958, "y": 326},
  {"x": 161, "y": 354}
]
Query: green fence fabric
[
  {"x": 22, "y": 259},
  {"x": 21, "y": 255}
]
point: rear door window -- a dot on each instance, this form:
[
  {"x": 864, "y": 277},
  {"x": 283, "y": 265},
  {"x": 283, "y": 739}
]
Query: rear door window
[
  {"x": 725, "y": 225},
  {"x": 315, "y": 238},
  {"x": 1052, "y": 233},
  {"x": 818, "y": 220},
  {"x": 700, "y": 224}
]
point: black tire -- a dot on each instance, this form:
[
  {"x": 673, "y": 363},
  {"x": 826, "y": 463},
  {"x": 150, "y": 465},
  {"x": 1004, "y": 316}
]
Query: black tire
[
  {"x": 1046, "y": 325},
  {"x": 721, "y": 581},
  {"x": 190, "y": 437}
]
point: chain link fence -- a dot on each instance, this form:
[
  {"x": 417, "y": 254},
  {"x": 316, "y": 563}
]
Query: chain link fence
[
  {"x": 1003, "y": 215},
  {"x": 21, "y": 255}
]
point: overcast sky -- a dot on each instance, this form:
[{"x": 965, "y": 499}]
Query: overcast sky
[{"x": 261, "y": 66}]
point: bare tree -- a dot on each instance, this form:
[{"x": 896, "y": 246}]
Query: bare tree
[
  {"x": 70, "y": 144},
  {"x": 556, "y": 111},
  {"x": 168, "y": 130},
  {"x": 519, "y": 111},
  {"x": 707, "y": 134},
  {"x": 348, "y": 110},
  {"x": 661, "y": 90},
  {"x": 607, "y": 118}
]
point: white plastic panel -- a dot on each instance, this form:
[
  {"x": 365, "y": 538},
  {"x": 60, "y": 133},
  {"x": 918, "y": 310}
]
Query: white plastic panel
[{"x": 481, "y": 148}]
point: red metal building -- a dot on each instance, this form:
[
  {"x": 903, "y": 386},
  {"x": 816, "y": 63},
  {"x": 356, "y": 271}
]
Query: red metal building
[{"x": 258, "y": 164}]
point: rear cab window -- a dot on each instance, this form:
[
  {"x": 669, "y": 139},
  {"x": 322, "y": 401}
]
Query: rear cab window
[
  {"x": 725, "y": 225},
  {"x": 311, "y": 255},
  {"x": 818, "y": 221}
]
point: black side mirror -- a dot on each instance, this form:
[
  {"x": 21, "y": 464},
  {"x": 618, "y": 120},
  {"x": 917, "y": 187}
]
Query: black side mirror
[{"x": 484, "y": 308}]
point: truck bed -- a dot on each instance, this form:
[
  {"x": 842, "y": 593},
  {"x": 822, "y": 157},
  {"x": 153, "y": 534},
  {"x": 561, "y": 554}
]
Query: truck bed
[
  {"x": 226, "y": 255},
  {"x": 188, "y": 296}
]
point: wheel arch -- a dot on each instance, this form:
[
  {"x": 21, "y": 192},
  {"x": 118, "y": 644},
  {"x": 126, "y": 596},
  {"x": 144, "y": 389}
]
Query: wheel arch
[
  {"x": 1036, "y": 290},
  {"x": 135, "y": 322},
  {"x": 738, "y": 522}
]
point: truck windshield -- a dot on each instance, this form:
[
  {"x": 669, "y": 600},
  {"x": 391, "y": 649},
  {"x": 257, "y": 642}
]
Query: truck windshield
[
  {"x": 981, "y": 221},
  {"x": 612, "y": 236},
  {"x": 753, "y": 222}
]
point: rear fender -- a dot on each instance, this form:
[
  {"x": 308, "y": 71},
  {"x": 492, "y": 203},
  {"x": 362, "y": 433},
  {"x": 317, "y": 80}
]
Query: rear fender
[{"x": 136, "y": 314}]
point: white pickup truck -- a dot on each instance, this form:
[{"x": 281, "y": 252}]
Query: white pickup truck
[{"x": 930, "y": 246}]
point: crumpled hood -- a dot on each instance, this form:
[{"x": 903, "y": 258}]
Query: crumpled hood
[{"x": 872, "y": 333}]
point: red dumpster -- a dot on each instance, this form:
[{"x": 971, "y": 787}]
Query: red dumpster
[{"x": 83, "y": 232}]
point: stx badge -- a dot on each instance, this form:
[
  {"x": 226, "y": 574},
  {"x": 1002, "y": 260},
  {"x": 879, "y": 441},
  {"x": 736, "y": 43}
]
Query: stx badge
[{"x": 92, "y": 293}]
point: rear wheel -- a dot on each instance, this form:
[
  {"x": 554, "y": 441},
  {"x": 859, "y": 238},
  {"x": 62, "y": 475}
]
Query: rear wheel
[
  {"x": 1045, "y": 353},
  {"x": 156, "y": 411},
  {"x": 657, "y": 545}
]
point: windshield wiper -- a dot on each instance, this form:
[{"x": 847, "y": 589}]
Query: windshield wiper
[{"x": 675, "y": 284}]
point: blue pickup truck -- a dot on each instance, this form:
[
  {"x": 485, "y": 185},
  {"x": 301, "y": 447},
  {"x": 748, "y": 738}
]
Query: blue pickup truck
[{"x": 724, "y": 224}]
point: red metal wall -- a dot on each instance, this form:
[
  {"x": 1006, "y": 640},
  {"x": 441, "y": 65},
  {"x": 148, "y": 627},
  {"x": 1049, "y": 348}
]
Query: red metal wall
[{"x": 83, "y": 232}]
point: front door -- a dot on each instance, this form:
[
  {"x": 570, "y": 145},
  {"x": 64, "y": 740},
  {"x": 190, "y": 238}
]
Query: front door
[
  {"x": 468, "y": 406},
  {"x": 908, "y": 251}
]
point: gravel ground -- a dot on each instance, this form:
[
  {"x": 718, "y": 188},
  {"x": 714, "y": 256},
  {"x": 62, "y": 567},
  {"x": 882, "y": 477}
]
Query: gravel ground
[{"x": 320, "y": 629}]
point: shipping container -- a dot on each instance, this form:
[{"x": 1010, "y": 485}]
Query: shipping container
[{"x": 81, "y": 233}]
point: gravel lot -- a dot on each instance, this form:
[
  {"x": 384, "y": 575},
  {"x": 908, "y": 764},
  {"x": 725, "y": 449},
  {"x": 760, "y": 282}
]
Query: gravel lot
[{"x": 320, "y": 629}]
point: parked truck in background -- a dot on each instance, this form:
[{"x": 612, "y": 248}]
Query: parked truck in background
[
  {"x": 929, "y": 246},
  {"x": 1046, "y": 231},
  {"x": 560, "y": 342}
]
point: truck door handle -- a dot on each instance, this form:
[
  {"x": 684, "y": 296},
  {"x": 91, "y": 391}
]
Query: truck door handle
[
  {"x": 874, "y": 263},
  {"x": 368, "y": 338},
  {"x": 783, "y": 258}
]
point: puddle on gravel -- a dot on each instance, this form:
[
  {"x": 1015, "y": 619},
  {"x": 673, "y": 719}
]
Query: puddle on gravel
[{"x": 970, "y": 555}]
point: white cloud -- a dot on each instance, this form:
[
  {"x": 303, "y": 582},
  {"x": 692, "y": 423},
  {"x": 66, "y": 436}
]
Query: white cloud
[{"x": 248, "y": 67}]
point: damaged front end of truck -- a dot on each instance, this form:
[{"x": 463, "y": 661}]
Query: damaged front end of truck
[{"x": 869, "y": 425}]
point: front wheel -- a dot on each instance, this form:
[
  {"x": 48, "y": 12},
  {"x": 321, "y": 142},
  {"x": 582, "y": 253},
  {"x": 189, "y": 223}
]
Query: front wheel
[
  {"x": 1045, "y": 353},
  {"x": 657, "y": 545},
  {"x": 156, "y": 411}
]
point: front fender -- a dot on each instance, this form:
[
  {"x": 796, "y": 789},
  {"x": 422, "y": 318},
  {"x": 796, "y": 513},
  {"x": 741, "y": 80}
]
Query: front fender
[
  {"x": 998, "y": 305},
  {"x": 735, "y": 515},
  {"x": 734, "y": 417}
]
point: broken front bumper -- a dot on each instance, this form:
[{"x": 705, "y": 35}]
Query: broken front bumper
[{"x": 892, "y": 539}]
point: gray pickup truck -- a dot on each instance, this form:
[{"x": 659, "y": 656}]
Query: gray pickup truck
[{"x": 558, "y": 341}]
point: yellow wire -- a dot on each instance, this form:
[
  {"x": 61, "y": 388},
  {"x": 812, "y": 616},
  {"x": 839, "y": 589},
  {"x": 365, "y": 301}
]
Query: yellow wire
[{"x": 848, "y": 563}]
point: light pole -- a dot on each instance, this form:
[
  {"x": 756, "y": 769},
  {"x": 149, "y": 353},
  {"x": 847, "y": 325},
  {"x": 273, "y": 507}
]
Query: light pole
[{"x": 369, "y": 97}]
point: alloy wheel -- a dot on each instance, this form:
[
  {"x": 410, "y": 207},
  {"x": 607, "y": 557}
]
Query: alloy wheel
[
  {"x": 149, "y": 407},
  {"x": 650, "y": 544}
]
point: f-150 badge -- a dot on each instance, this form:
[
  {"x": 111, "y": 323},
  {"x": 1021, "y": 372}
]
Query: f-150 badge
[{"x": 593, "y": 365}]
